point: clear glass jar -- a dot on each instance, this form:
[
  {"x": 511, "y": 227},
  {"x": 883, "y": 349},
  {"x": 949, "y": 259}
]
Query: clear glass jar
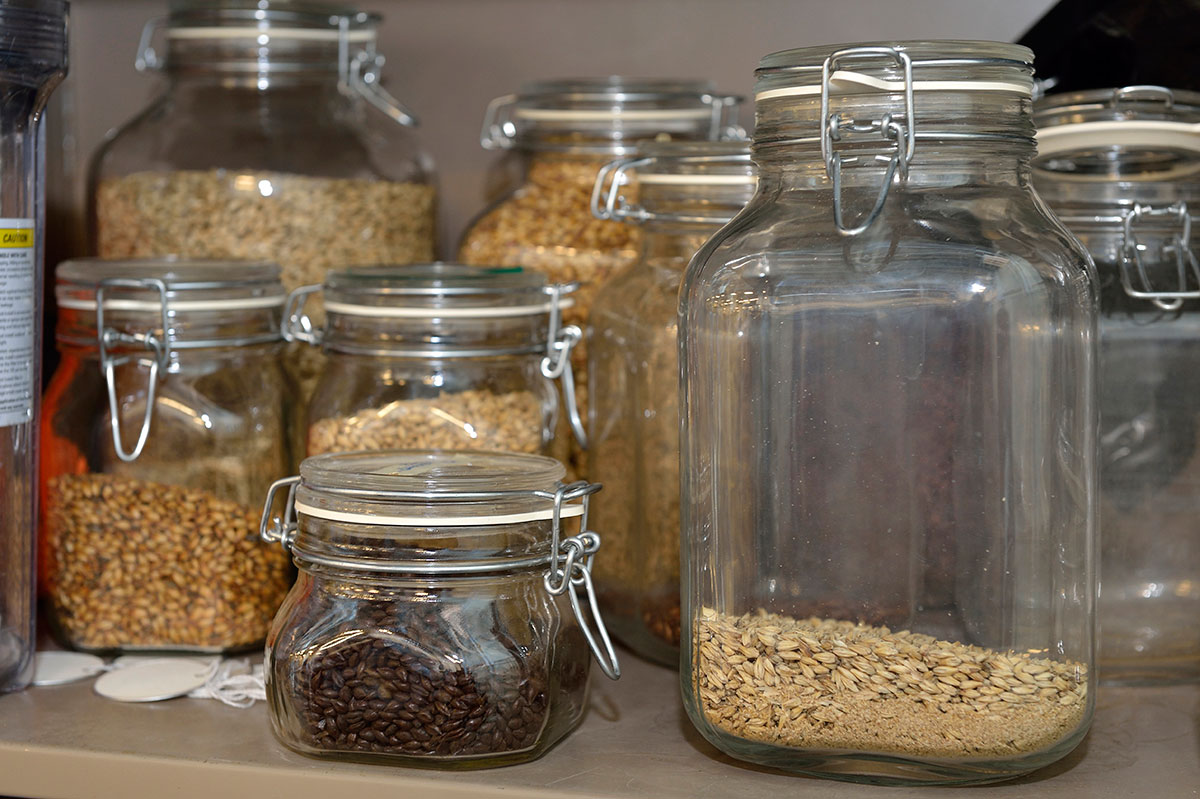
[
  {"x": 686, "y": 191},
  {"x": 33, "y": 59},
  {"x": 438, "y": 356},
  {"x": 566, "y": 131},
  {"x": 888, "y": 453},
  {"x": 162, "y": 428},
  {"x": 1121, "y": 168},
  {"x": 435, "y": 621}
]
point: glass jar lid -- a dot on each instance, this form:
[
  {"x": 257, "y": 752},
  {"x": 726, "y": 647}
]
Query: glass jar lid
[
  {"x": 701, "y": 183},
  {"x": 434, "y": 514},
  {"x": 269, "y": 40},
  {"x": 440, "y": 310},
  {"x": 607, "y": 115}
]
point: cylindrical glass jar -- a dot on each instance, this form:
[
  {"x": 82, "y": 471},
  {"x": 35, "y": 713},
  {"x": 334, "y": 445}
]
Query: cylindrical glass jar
[
  {"x": 438, "y": 356},
  {"x": 888, "y": 453},
  {"x": 566, "y": 131},
  {"x": 1121, "y": 168},
  {"x": 435, "y": 621},
  {"x": 163, "y": 427},
  {"x": 33, "y": 59},
  {"x": 685, "y": 192}
]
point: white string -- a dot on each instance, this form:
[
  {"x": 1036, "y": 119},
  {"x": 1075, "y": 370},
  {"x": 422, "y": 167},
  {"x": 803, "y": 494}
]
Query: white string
[{"x": 235, "y": 683}]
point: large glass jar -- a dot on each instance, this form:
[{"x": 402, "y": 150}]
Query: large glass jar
[
  {"x": 685, "y": 192},
  {"x": 163, "y": 427},
  {"x": 438, "y": 356},
  {"x": 33, "y": 59},
  {"x": 1121, "y": 168},
  {"x": 566, "y": 131},
  {"x": 435, "y": 621},
  {"x": 888, "y": 453}
]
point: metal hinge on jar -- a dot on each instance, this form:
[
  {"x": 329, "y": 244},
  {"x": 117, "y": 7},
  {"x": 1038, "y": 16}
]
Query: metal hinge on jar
[
  {"x": 1179, "y": 245},
  {"x": 833, "y": 127}
]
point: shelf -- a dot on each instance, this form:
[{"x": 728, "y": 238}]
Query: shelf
[{"x": 635, "y": 742}]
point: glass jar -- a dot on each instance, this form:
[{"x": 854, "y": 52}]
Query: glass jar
[
  {"x": 1121, "y": 168},
  {"x": 685, "y": 192},
  {"x": 888, "y": 453},
  {"x": 566, "y": 131},
  {"x": 33, "y": 59},
  {"x": 435, "y": 621},
  {"x": 438, "y": 356},
  {"x": 163, "y": 427}
]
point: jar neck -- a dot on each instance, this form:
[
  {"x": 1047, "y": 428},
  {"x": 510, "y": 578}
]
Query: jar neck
[
  {"x": 960, "y": 138},
  {"x": 454, "y": 338}
]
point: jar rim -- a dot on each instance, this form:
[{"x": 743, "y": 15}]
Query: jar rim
[
  {"x": 930, "y": 52},
  {"x": 192, "y": 19}
]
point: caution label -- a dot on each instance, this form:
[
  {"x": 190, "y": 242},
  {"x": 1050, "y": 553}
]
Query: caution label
[{"x": 18, "y": 308}]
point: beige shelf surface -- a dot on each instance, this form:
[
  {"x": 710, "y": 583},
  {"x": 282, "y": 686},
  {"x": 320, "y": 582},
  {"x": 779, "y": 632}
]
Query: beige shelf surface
[{"x": 635, "y": 742}]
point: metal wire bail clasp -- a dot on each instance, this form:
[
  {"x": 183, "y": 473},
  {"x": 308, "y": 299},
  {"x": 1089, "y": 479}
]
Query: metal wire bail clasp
[
  {"x": 296, "y": 325},
  {"x": 903, "y": 133},
  {"x": 358, "y": 73},
  {"x": 556, "y": 364},
  {"x": 160, "y": 349},
  {"x": 1179, "y": 245},
  {"x": 571, "y": 568},
  {"x": 280, "y": 528},
  {"x": 607, "y": 200}
]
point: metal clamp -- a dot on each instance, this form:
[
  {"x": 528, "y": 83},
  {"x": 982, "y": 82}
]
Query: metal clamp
[
  {"x": 358, "y": 73},
  {"x": 1142, "y": 92},
  {"x": 609, "y": 203},
  {"x": 1179, "y": 245},
  {"x": 280, "y": 529},
  {"x": 147, "y": 57},
  {"x": 571, "y": 568},
  {"x": 556, "y": 364},
  {"x": 108, "y": 338},
  {"x": 832, "y": 126},
  {"x": 296, "y": 325}
]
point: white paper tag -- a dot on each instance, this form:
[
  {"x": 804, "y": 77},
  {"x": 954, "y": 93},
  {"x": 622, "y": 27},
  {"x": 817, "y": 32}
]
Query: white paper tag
[
  {"x": 17, "y": 323},
  {"x": 60, "y": 668},
  {"x": 155, "y": 679}
]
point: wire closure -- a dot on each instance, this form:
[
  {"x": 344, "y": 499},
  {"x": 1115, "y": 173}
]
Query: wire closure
[
  {"x": 609, "y": 203},
  {"x": 1179, "y": 245},
  {"x": 903, "y": 133},
  {"x": 556, "y": 365},
  {"x": 569, "y": 562},
  {"x": 160, "y": 350}
]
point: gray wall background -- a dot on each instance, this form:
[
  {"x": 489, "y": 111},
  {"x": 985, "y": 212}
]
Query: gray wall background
[{"x": 448, "y": 58}]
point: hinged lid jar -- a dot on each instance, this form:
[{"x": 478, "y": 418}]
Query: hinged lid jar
[
  {"x": 439, "y": 356},
  {"x": 439, "y": 618},
  {"x": 163, "y": 426},
  {"x": 888, "y": 455},
  {"x": 686, "y": 191},
  {"x": 1121, "y": 168},
  {"x": 273, "y": 139}
]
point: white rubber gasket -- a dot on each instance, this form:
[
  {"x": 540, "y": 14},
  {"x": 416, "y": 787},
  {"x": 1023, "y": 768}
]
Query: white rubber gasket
[
  {"x": 305, "y": 34},
  {"x": 663, "y": 179},
  {"x": 246, "y": 303},
  {"x": 1118, "y": 133},
  {"x": 350, "y": 309},
  {"x": 845, "y": 81},
  {"x": 582, "y": 115},
  {"x": 567, "y": 511}
]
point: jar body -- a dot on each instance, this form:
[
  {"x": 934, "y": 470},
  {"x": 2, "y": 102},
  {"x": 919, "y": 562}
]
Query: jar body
[
  {"x": 634, "y": 449},
  {"x": 1149, "y": 476},
  {"x": 163, "y": 552},
  {"x": 460, "y": 672},
  {"x": 35, "y": 60},
  {"x": 380, "y": 402},
  {"x": 889, "y": 432}
]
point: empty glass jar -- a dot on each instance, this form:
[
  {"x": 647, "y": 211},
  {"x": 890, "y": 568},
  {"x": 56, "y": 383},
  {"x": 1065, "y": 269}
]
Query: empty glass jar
[
  {"x": 1121, "y": 168},
  {"x": 435, "y": 621},
  {"x": 685, "y": 192},
  {"x": 33, "y": 59},
  {"x": 162, "y": 428},
  {"x": 439, "y": 356},
  {"x": 888, "y": 454},
  {"x": 565, "y": 131}
]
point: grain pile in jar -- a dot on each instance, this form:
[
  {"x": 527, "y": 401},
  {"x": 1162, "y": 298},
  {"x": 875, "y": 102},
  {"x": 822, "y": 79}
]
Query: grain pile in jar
[{"x": 569, "y": 130}]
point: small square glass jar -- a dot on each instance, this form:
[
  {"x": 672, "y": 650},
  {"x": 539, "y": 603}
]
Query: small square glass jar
[{"x": 437, "y": 618}]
